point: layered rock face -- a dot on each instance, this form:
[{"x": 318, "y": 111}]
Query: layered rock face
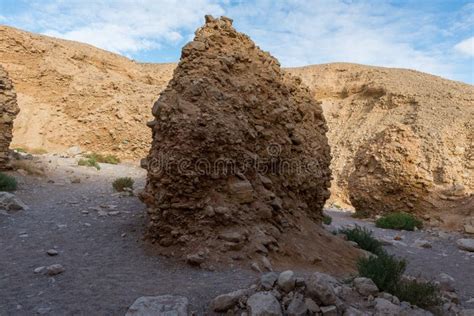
[
  {"x": 8, "y": 109},
  {"x": 239, "y": 151}
]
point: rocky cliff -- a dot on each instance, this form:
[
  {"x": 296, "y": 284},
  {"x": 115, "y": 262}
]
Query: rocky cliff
[{"x": 8, "y": 109}]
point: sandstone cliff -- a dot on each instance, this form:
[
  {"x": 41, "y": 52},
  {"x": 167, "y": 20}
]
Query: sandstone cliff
[{"x": 73, "y": 94}]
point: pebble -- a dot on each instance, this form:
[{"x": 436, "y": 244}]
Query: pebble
[
  {"x": 55, "y": 269},
  {"x": 39, "y": 269},
  {"x": 52, "y": 252}
]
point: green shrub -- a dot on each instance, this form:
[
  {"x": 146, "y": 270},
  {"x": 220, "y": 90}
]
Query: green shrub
[
  {"x": 110, "y": 159},
  {"x": 419, "y": 293},
  {"x": 121, "y": 183},
  {"x": 384, "y": 269},
  {"x": 327, "y": 220},
  {"x": 399, "y": 220},
  {"x": 363, "y": 237},
  {"x": 7, "y": 183},
  {"x": 89, "y": 162}
]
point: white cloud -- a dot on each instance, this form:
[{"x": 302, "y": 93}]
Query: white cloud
[
  {"x": 121, "y": 26},
  {"x": 310, "y": 32},
  {"x": 466, "y": 47}
]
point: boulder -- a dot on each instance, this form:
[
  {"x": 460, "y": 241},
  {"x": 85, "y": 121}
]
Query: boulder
[
  {"x": 286, "y": 280},
  {"x": 384, "y": 307},
  {"x": 226, "y": 301},
  {"x": 264, "y": 304},
  {"x": 165, "y": 305},
  {"x": 320, "y": 288},
  {"x": 365, "y": 286}
]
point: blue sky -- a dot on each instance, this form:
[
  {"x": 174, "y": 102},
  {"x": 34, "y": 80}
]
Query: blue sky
[{"x": 433, "y": 36}]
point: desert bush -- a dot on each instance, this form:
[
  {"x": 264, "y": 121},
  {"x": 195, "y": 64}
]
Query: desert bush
[
  {"x": 399, "y": 220},
  {"x": 121, "y": 183},
  {"x": 384, "y": 269},
  {"x": 7, "y": 183},
  {"x": 327, "y": 220},
  {"x": 89, "y": 162},
  {"x": 363, "y": 237},
  {"x": 110, "y": 159},
  {"x": 420, "y": 293}
]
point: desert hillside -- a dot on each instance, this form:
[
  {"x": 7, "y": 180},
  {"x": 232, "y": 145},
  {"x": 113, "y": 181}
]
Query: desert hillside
[
  {"x": 362, "y": 101},
  {"x": 72, "y": 94}
]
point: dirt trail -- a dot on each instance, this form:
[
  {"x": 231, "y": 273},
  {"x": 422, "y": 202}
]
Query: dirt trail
[{"x": 442, "y": 257}]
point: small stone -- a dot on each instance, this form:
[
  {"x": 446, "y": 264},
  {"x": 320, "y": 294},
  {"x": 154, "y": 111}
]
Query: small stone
[
  {"x": 352, "y": 311},
  {"x": 446, "y": 282},
  {"x": 268, "y": 280},
  {"x": 297, "y": 307},
  {"x": 320, "y": 288},
  {"x": 466, "y": 244},
  {"x": 10, "y": 203},
  {"x": 52, "y": 252},
  {"x": 39, "y": 270},
  {"x": 231, "y": 236},
  {"x": 224, "y": 302},
  {"x": 330, "y": 310},
  {"x": 264, "y": 304},
  {"x": 255, "y": 267},
  {"x": 195, "y": 259},
  {"x": 365, "y": 286},
  {"x": 55, "y": 269},
  {"x": 85, "y": 212},
  {"x": 114, "y": 213},
  {"x": 385, "y": 307},
  {"x": 267, "y": 264},
  {"x": 469, "y": 229},
  {"x": 43, "y": 310},
  {"x": 420, "y": 243},
  {"x": 159, "y": 305},
  {"x": 286, "y": 280},
  {"x": 277, "y": 204},
  {"x": 75, "y": 180},
  {"x": 312, "y": 306}
]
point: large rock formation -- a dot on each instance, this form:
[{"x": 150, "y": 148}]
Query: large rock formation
[
  {"x": 8, "y": 109},
  {"x": 400, "y": 139},
  {"x": 239, "y": 156}
]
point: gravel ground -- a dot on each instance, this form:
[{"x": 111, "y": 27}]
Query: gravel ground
[
  {"x": 442, "y": 257},
  {"x": 98, "y": 234},
  {"x": 105, "y": 269}
]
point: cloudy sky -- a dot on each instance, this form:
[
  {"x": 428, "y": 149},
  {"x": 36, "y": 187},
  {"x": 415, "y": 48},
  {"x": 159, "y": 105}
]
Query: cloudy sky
[{"x": 434, "y": 36}]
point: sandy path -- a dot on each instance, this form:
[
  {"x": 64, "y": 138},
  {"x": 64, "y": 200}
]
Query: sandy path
[
  {"x": 444, "y": 256},
  {"x": 105, "y": 272}
]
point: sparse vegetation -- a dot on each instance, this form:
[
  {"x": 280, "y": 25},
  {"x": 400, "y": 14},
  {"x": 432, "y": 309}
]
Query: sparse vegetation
[
  {"x": 7, "y": 183},
  {"x": 363, "y": 237},
  {"x": 110, "y": 159},
  {"x": 89, "y": 162},
  {"x": 361, "y": 214},
  {"x": 121, "y": 184},
  {"x": 384, "y": 269},
  {"x": 400, "y": 221},
  {"x": 34, "y": 151},
  {"x": 327, "y": 220},
  {"x": 420, "y": 293}
]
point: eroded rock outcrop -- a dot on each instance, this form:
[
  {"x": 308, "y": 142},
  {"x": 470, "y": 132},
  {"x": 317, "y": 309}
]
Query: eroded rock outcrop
[
  {"x": 8, "y": 109},
  {"x": 391, "y": 173},
  {"x": 239, "y": 156}
]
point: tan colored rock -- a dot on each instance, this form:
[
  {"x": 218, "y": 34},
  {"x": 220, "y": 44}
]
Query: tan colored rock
[
  {"x": 360, "y": 102},
  {"x": 223, "y": 141},
  {"x": 8, "y": 109}
]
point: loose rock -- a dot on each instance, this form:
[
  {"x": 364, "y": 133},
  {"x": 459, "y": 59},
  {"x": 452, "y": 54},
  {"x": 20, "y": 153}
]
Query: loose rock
[{"x": 159, "y": 305}]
